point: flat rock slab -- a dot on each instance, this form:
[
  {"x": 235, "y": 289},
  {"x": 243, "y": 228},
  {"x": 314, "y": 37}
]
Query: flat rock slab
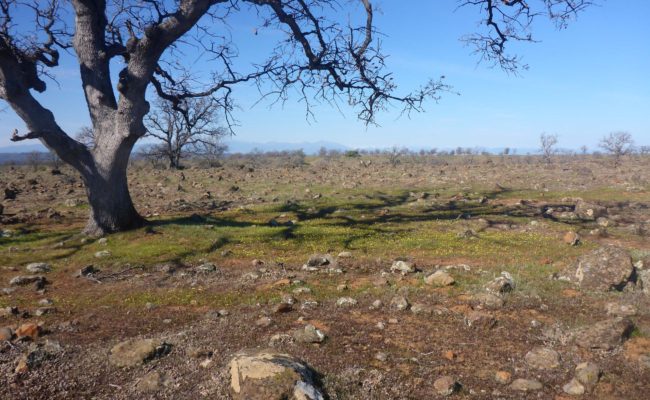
[
  {"x": 604, "y": 335},
  {"x": 271, "y": 375},
  {"x": 135, "y": 352},
  {"x": 607, "y": 268}
]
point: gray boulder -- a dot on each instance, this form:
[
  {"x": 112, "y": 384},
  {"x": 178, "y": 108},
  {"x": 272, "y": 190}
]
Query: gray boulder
[{"x": 271, "y": 375}]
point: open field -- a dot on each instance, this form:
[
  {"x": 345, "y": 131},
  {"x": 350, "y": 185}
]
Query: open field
[{"x": 226, "y": 247}]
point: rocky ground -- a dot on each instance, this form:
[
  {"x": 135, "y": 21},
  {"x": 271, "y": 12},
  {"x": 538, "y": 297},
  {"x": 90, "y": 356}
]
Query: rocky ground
[{"x": 343, "y": 278}]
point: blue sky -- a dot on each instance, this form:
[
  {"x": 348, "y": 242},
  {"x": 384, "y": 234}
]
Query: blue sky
[{"x": 583, "y": 83}]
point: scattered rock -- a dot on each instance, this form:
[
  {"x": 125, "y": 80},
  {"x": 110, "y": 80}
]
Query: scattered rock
[
  {"x": 588, "y": 374},
  {"x": 102, "y": 241},
  {"x": 480, "y": 320},
  {"x": 574, "y": 388},
  {"x": 301, "y": 290},
  {"x": 149, "y": 383},
  {"x": 44, "y": 310},
  {"x": 526, "y": 385},
  {"x": 270, "y": 375},
  {"x": 263, "y": 322},
  {"x": 319, "y": 260},
  {"x": 643, "y": 280},
  {"x": 38, "y": 268},
  {"x": 137, "y": 351},
  {"x": 543, "y": 358},
  {"x": 620, "y": 310},
  {"x": 403, "y": 267},
  {"x": 502, "y": 284},
  {"x": 421, "y": 308},
  {"x": 503, "y": 377},
  {"x": 604, "y": 335},
  {"x": 345, "y": 254},
  {"x": 6, "y": 333},
  {"x": 207, "y": 267},
  {"x": 488, "y": 300},
  {"x": 607, "y": 268},
  {"x": 399, "y": 303},
  {"x": 28, "y": 330},
  {"x": 571, "y": 238},
  {"x": 102, "y": 254},
  {"x": 589, "y": 211},
  {"x": 309, "y": 334},
  {"x": 439, "y": 278},
  {"x": 346, "y": 302},
  {"x": 23, "y": 280},
  {"x": 282, "y": 308},
  {"x": 446, "y": 385},
  {"x": 87, "y": 270}
]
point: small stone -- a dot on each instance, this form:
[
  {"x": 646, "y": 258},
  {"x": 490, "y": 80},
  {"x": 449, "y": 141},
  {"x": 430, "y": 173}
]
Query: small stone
[
  {"x": 526, "y": 385},
  {"x": 102, "y": 254},
  {"x": 23, "y": 280},
  {"x": 309, "y": 334},
  {"x": 381, "y": 356},
  {"x": 605, "y": 335},
  {"x": 480, "y": 320},
  {"x": 6, "y": 333},
  {"x": 309, "y": 305},
  {"x": 137, "y": 351},
  {"x": 446, "y": 385},
  {"x": 502, "y": 284},
  {"x": 87, "y": 270},
  {"x": 381, "y": 282},
  {"x": 282, "y": 308},
  {"x": 103, "y": 241},
  {"x": 488, "y": 300},
  {"x": 620, "y": 310},
  {"x": 588, "y": 374},
  {"x": 207, "y": 267},
  {"x": 28, "y": 330},
  {"x": 346, "y": 302},
  {"x": 342, "y": 287},
  {"x": 263, "y": 322},
  {"x": 45, "y": 302},
  {"x": 421, "y": 308},
  {"x": 503, "y": 377},
  {"x": 574, "y": 388},
  {"x": 38, "y": 268},
  {"x": 571, "y": 238},
  {"x": 399, "y": 303},
  {"x": 377, "y": 304},
  {"x": 149, "y": 383},
  {"x": 301, "y": 290},
  {"x": 44, "y": 310},
  {"x": 543, "y": 358},
  {"x": 403, "y": 267},
  {"x": 345, "y": 254},
  {"x": 439, "y": 278},
  {"x": 380, "y": 325}
]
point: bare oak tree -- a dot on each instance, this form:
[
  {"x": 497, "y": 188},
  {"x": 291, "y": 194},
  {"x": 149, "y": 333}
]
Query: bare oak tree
[
  {"x": 618, "y": 144},
  {"x": 320, "y": 58},
  {"x": 188, "y": 127},
  {"x": 547, "y": 146}
]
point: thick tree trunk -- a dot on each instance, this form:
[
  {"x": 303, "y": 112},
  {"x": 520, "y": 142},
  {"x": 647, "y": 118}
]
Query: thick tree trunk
[{"x": 111, "y": 207}]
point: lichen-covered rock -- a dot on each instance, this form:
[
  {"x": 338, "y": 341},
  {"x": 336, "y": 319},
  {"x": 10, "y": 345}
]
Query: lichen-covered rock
[
  {"x": 604, "y": 335},
  {"x": 270, "y": 375},
  {"x": 134, "y": 352},
  {"x": 607, "y": 268}
]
